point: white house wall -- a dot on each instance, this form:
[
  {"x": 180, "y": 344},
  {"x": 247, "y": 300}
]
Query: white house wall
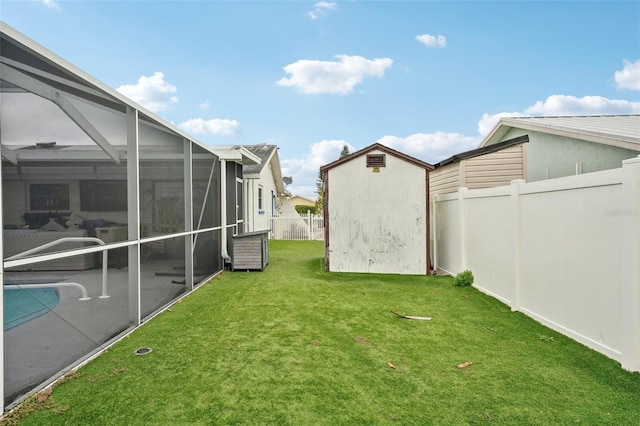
[
  {"x": 377, "y": 221},
  {"x": 259, "y": 219}
]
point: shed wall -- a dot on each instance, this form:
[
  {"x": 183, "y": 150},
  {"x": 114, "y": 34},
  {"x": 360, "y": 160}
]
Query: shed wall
[{"x": 377, "y": 220}]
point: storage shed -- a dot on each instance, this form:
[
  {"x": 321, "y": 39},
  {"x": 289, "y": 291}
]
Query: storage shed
[
  {"x": 376, "y": 212},
  {"x": 251, "y": 251}
]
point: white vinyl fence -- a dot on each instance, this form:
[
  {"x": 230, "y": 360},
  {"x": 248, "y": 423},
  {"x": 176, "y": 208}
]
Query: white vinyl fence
[
  {"x": 565, "y": 252},
  {"x": 297, "y": 227}
]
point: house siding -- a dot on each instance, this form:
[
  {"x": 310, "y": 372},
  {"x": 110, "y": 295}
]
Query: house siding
[
  {"x": 445, "y": 179},
  {"x": 484, "y": 171},
  {"x": 495, "y": 169}
]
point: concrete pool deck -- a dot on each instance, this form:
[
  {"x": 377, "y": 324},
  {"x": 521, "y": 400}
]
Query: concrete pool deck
[{"x": 46, "y": 345}]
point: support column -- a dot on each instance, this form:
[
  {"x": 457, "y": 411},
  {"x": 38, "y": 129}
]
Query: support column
[
  {"x": 133, "y": 216},
  {"x": 188, "y": 215},
  {"x": 2, "y": 366}
]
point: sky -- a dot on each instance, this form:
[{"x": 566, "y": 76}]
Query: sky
[{"x": 428, "y": 78}]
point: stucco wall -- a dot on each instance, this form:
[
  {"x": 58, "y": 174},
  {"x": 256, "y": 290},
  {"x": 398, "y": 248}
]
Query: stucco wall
[
  {"x": 550, "y": 156},
  {"x": 377, "y": 221}
]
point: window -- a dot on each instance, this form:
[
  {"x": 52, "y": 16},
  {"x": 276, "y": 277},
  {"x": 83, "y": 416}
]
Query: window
[
  {"x": 49, "y": 196},
  {"x": 103, "y": 195},
  {"x": 376, "y": 160},
  {"x": 259, "y": 198}
]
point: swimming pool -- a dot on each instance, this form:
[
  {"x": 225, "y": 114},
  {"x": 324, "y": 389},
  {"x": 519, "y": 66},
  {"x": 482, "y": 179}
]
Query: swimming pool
[{"x": 23, "y": 305}]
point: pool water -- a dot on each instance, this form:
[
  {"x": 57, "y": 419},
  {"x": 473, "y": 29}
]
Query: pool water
[{"x": 23, "y": 305}]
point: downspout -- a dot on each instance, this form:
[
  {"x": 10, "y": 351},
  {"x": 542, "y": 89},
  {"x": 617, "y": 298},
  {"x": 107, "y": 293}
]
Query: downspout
[{"x": 223, "y": 206}]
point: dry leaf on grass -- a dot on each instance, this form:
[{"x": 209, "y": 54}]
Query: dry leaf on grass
[
  {"x": 411, "y": 317},
  {"x": 465, "y": 364},
  {"x": 43, "y": 395},
  {"x": 363, "y": 340},
  {"x": 391, "y": 365}
]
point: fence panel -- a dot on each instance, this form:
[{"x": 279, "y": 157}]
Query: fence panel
[
  {"x": 563, "y": 251},
  {"x": 297, "y": 227}
]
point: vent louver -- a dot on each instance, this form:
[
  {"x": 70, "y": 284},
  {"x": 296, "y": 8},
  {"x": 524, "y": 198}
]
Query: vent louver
[{"x": 376, "y": 160}]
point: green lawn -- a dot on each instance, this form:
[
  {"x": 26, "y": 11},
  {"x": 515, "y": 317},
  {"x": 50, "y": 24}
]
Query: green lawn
[{"x": 296, "y": 345}]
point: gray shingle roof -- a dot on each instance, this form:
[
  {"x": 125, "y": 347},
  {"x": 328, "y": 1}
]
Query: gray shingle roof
[{"x": 264, "y": 152}]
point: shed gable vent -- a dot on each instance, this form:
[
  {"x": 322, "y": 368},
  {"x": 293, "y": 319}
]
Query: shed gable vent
[{"x": 376, "y": 160}]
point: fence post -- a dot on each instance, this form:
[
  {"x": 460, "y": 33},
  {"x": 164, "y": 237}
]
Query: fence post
[
  {"x": 462, "y": 192},
  {"x": 435, "y": 229},
  {"x": 630, "y": 285},
  {"x": 310, "y": 224},
  {"x": 517, "y": 244}
]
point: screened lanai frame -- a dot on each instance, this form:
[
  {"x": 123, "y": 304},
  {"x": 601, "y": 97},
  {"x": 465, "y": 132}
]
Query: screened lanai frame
[{"x": 145, "y": 211}]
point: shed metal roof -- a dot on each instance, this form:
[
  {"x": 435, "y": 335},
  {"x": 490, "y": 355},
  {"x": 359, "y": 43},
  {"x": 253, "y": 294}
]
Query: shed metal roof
[{"x": 616, "y": 130}]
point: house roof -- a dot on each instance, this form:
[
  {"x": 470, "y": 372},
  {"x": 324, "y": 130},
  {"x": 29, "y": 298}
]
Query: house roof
[
  {"x": 378, "y": 147},
  {"x": 268, "y": 154},
  {"x": 304, "y": 197},
  {"x": 483, "y": 150},
  {"x": 262, "y": 151},
  {"x": 622, "y": 131}
]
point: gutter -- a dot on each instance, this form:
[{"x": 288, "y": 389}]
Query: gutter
[{"x": 223, "y": 207}]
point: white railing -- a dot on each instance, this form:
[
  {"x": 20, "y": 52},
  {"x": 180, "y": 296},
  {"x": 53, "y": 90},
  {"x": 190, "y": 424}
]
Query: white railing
[
  {"x": 59, "y": 241},
  {"x": 297, "y": 227}
]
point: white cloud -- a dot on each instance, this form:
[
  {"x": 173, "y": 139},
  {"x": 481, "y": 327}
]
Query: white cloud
[
  {"x": 205, "y": 104},
  {"x": 587, "y": 105},
  {"x": 153, "y": 92},
  {"x": 488, "y": 122},
  {"x": 629, "y": 76},
  {"x": 561, "y": 105},
  {"x": 338, "y": 77},
  {"x": 431, "y": 147},
  {"x": 305, "y": 170},
  {"x": 51, "y": 4},
  {"x": 437, "y": 146},
  {"x": 215, "y": 126},
  {"x": 322, "y": 8},
  {"x": 431, "y": 40}
]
